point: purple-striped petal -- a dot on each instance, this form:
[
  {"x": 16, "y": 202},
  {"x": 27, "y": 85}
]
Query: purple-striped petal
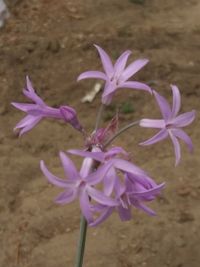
[
  {"x": 164, "y": 106},
  {"x": 54, "y": 179},
  {"x": 183, "y": 136},
  {"x": 106, "y": 61},
  {"x": 176, "y": 100},
  {"x": 135, "y": 85},
  {"x": 99, "y": 197},
  {"x": 121, "y": 63},
  {"x": 133, "y": 68},
  {"x": 69, "y": 167},
  {"x": 152, "y": 123},
  {"x": 92, "y": 74},
  {"x": 156, "y": 138},
  {"x": 177, "y": 148},
  {"x": 66, "y": 197},
  {"x": 85, "y": 206},
  {"x": 184, "y": 119}
]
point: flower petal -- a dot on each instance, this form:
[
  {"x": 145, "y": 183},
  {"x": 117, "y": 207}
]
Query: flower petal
[
  {"x": 54, "y": 179},
  {"x": 136, "y": 85},
  {"x": 183, "y": 136},
  {"x": 104, "y": 215},
  {"x": 145, "y": 208},
  {"x": 152, "y": 123},
  {"x": 66, "y": 197},
  {"x": 109, "y": 181},
  {"x": 156, "y": 138},
  {"x": 24, "y": 107},
  {"x": 98, "y": 156},
  {"x": 133, "y": 68},
  {"x": 92, "y": 74},
  {"x": 106, "y": 61},
  {"x": 127, "y": 166},
  {"x": 99, "y": 197},
  {"x": 69, "y": 167},
  {"x": 85, "y": 206},
  {"x": 164, "y": 105},
  {"x": 98, "y": 175},
  {"x": 153, "y": 191},
  {"x": 121, "y": 63},
  {"x": 176, "y": 100},
  {"x": 177, "y": 148},
  {"x": 184, "y": 119},
  {"x": 124, "y": 214},
  {"x": 30, "y": 93}
]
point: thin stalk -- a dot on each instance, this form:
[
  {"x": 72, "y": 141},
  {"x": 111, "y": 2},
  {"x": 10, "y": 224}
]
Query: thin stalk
[
  {"x": 81, "y": 242},
  {"x": 120, "y": 132},
  {"x": 99, "y": 115}
]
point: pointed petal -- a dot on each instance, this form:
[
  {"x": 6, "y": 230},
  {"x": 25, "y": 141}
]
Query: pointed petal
[
  {"x": 106, "y": 61},
  {"x": 99, "y": 156},
  {"x": 145, "y": 208},
  {"x": 133, "y": 68},
  {"x": 184, "y": 119},
  {"x": 99, "y": 197},
  {"x": 109, "y": 181},
  {"x": 66, "y": 197},
  {"x": 54, "y": 179},
  {"x": 164, "y": 105},
  {"x": 30, "y": 93},
  {"x": 176, "y": 100},
  {"x": 23, "y": 107},
  {"x": 152, "y": 123},
  {"x": 151, "y": 192},
  {"x": 177, "y": 148},
  {"x": 98, "y": 175},
  {"x": 183, "y": 136},
  {"x": 124, "y": 214},
  {"x": 92, "y": 74},
  {"x": 136, "y": 85},
  {"x": 69, "y": 167},
  {"x": 104, "y": 215},
  {"x": 156, "y": 138},
  {"x": 121, "y": 63},
  {"x": 85, "y": 206},
  {"x": 127, "y": 166}
]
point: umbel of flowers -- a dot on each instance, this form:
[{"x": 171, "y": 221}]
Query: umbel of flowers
[{"x": 124, "y": 185}]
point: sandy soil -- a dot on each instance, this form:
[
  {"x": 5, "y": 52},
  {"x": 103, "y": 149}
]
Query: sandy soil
[{"x": 52, "y": 41}]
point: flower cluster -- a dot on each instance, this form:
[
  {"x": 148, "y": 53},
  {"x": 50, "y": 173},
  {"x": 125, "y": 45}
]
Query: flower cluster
[{"x": 108, "y": 181}]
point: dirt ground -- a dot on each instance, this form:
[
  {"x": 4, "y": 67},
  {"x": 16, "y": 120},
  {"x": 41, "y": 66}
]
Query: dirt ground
[{"x": 52, "y": 41}]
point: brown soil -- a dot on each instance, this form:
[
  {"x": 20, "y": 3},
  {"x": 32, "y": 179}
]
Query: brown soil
[{"x": 52, "y": 41}]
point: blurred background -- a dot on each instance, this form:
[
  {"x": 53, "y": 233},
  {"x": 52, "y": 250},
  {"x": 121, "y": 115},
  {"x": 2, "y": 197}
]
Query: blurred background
[{"x": 52, "y": 42}]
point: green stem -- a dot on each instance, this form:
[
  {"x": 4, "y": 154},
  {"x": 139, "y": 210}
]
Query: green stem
[
  {"x": 81, "y": 242},
  {"x": 99, "y": 115},
  {"x": 125, "y": 128}
]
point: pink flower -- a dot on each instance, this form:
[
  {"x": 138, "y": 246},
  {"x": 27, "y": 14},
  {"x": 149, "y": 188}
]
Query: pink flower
[
  {"x": 171, "y": 123},
  {"x": 116, "y": 76},
  {"x": 39, "y": 110}
]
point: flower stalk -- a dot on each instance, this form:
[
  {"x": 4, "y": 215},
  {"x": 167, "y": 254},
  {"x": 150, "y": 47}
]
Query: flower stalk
[{"x": 81, "y": 242}]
